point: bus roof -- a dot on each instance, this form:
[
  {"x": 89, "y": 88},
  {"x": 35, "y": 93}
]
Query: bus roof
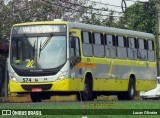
[
  {"x": 41, "y": 23},
  {"x": 110, "y": 30}
]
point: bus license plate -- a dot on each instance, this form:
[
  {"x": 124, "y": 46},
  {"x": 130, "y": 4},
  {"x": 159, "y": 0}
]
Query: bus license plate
[{"x": 36, "y": 89}]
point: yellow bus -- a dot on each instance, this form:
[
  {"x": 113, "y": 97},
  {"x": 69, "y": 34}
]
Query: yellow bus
[{"x": 59, "y": 57}]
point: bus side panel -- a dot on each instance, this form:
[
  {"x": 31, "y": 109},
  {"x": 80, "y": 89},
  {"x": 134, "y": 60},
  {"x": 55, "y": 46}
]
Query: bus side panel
[
  {"x": 149, "y": 79},
  {"x": 145, "y": 85},
  {"x": 110, "y": 85},
  {"x": 114, "y": 74}
]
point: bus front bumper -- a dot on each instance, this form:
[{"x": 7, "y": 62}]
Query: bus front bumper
[{"x": 64, "y": 85}]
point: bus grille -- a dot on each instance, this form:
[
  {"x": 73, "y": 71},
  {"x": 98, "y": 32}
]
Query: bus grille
[{"x": 43, "y": 86}]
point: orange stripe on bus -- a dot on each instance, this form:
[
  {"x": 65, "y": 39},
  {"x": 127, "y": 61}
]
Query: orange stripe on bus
[{"x": 85, "y": 65}]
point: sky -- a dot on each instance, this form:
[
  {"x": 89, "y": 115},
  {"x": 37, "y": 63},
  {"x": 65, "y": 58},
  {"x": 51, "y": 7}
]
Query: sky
[{"x": 5, "y": 1}]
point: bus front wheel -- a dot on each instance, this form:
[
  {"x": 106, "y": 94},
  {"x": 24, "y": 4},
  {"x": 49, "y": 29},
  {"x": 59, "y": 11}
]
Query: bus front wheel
[{"x": 87, "y": 93}]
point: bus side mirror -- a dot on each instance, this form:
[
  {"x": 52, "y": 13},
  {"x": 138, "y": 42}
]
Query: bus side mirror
[{"x": 73, "y": 43}]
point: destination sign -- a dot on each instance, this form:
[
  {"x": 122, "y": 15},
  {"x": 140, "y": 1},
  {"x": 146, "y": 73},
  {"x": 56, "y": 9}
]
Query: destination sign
[{"x": 38, "y": 29}]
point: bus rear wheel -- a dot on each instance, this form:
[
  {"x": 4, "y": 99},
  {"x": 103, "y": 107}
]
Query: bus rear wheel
[
  {"x": 130, "y": 94},
  {"x": 35, "y": 96}
]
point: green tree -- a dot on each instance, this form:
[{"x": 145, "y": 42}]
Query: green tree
[
  {"x": 4, "y": 13},
  {"x": 140, "y": 17},
  {"x": 110, "y": 21},
  {"x": 19, "y": 11},
  {"x": 92, "y": 14}
]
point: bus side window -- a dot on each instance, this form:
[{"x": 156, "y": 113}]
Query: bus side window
[
  {"x": 110, "y": 46},
  {"x": 98, "y": 45},
  {"x": 74, "y": 47},
  {"x": 151, "y": 56},
  {"x": 121, "y": 47},
  {"x": 87, "y": 44},
  {"x": 132, "y": 50},
  {"x": 142, "y": 51}
]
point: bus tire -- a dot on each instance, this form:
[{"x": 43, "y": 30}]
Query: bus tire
[
  {"x": 130, "y": 94},
  {"x": 131, "y": 90},
  {"x": 35, "y": 97},
  {"x": 87, "y": 93}
]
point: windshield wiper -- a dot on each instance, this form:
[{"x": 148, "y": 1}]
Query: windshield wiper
[
  {"x": 42, "y": 46},
  {"x": 40, "y": 49},
  {"x": 34, "y": 49}
]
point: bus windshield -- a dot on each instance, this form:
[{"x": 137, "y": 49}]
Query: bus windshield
[
  {"x": 39, "y": 47},
  {"x": 38, "y": 52}
]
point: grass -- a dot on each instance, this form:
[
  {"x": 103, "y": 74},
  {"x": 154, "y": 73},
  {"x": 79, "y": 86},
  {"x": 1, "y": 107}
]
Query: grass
[{"x": 101, "y": 109}]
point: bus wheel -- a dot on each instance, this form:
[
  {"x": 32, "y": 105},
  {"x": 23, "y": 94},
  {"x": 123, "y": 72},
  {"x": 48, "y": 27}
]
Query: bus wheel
[
  {"x": 35, "y": 97},
  {"x": 129, "y": 95},
  {"x": 131, "y": 90},
  {"x": 87, "y": 93}
]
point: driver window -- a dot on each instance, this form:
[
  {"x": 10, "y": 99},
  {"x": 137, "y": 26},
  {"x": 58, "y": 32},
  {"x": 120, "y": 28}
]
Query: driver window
[
  {"x": 74, "y": 47},
  {"x": 17, "y": 51}
]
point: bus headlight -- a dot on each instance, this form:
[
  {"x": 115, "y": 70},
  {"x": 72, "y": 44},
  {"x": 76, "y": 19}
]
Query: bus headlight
[
  {"x": 62, "y": 76},
  {"x": 14, "y": 79}
]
